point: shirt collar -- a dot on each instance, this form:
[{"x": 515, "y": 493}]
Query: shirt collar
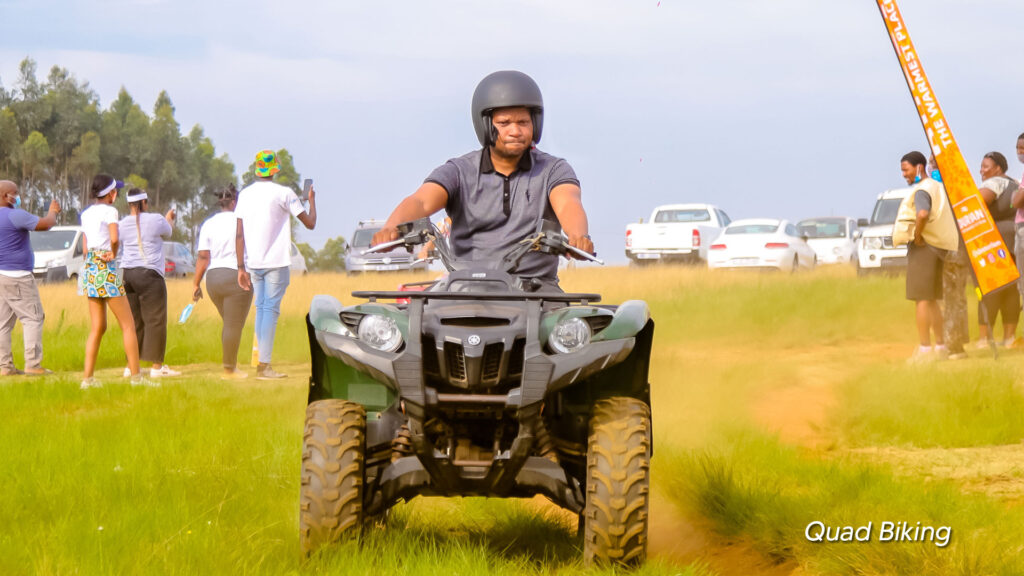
[{"x": 487, "y": 167}]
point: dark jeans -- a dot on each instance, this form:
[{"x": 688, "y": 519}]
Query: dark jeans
[
  {"x": 147, "y": 295},
  {"x": 233, "y": 305}
]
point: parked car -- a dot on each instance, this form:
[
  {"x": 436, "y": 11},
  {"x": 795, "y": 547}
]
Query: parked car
[
  {"x": 178, "y": 260},
  {"x": 875, "y": 251},
  {"x": 675, "y": 233},
  {"x": 394, "y": 260},
  {"x": 833, "y": 239},
  {"x": 58, "y": 253},
  {"x": 761, "y": 243},
  {"x": 298, "y": 265}
]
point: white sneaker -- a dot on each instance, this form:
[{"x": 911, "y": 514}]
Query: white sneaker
[
  {"x": 127, "y": 372},
  {"x": 236, "y": 375},
  {"x": 90, "y": 383},
  {"x": 981, "y": 344},
  {"x": 141, "y": 380},
  {"x": 163, "y": 372},
  {"x": 922, "y": 355}
]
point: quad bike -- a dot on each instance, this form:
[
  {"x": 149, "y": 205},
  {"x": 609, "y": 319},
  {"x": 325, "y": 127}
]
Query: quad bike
[{"x": 484, "y": 384}]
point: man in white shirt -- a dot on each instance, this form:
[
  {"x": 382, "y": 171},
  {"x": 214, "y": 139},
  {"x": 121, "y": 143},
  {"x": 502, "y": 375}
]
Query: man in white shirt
[{"x": 263, "y": 249}]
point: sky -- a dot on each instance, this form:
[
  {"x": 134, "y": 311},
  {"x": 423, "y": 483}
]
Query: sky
[{"x": 766, "y": 108}]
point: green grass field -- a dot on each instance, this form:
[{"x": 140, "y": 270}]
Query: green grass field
[{"x": 777, "y": 400}]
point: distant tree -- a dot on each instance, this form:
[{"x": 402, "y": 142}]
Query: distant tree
[
  {"x": 330, "y": 258},
  {"x": 34, "y": 156},
  {"x": 85, "y": 162},
  {"x": 10, "y": 142},
  {"x": 309, "y": 254}
]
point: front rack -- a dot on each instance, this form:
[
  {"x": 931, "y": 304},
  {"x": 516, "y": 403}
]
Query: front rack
[{"x": 583, "y": 298}]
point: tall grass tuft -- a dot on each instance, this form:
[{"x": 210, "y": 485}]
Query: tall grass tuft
[
  {"x": 973, "y": 403},
  {"x": 751, "y": 485}
]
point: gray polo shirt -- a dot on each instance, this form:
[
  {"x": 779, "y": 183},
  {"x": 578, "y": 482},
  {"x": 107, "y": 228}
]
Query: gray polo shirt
[{"x": 491, "y": 212}]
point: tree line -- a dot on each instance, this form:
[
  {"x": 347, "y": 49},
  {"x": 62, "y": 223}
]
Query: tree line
[{"x": 55, "y": 136}]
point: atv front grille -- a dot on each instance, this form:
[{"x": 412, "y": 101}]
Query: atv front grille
[
  {"x": 455, "y": 360},
  {"x": 491, "y": 372}
]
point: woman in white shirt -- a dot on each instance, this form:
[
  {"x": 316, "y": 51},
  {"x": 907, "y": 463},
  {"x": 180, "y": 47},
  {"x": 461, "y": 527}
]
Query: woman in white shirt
[
  {"x": 217, "y": 261},
  {"x": 102, "y": 283}
]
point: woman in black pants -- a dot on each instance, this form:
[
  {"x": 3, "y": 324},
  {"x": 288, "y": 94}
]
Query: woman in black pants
[{"x": 218, "y": 262}]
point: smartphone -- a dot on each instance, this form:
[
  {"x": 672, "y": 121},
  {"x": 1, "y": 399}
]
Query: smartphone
[{"x": 307, "y": 185}]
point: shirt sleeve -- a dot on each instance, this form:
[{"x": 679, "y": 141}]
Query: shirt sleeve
[
  {"x": 292, "y": 202},
  {"x": 165, "y": 227},
  {"x": 922, "y": 201},
  {"x": 24, "y": 220},
  {"x": 446, "y": 176},
  {"x": 204, "y": 237},
  {"x": 110, "y": 216},
  {"x": 562, "y": 173}
]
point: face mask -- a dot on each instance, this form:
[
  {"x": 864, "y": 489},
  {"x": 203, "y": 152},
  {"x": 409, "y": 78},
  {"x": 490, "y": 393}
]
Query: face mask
[
  {"x": 917, "y": 179},
  {"x": 17, "y": 202},
  {"x": 936, "y": 176},
  {"x": 1020, "y": 157}
]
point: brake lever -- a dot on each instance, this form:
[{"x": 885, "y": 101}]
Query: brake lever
[
  {"x": 582, "y": 253},
  {"x": 384, "y": 247}
]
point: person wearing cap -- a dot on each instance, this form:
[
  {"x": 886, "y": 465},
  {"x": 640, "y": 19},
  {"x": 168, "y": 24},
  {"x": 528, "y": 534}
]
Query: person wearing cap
[
  {"x": 142, "y": 234},
  {"x": 263, "y": 240},
  {"x": 497, "y": 195},
  {"x": 101, "y": 281},
  {"x": 19, "y": 297},
  {"x": 217, "y": 261}
]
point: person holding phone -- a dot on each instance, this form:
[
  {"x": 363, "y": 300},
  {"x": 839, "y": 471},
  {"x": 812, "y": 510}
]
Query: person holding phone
[
  {"x": 217, "y": 261},
  {"x": 142, "y": 234},
  {"x": 101, "y": 281},
  {"x": 263, "y": 240},
  {"x": 19, "y": 296}
]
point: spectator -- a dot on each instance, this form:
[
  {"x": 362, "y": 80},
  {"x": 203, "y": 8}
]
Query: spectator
[
  {"x": 142, "y": 234},
  {"x": 997, "y": 190},
  {"x": 1018, "y": 221},
  {"x": 934, "y": 233},
  {"x": 955, "y": 272},
  {"x": 263, "y": 242},
  {"x": 102, "y": 283},
  {"x": 19, "y": 297},
  {"x": 218, "y": 263}
]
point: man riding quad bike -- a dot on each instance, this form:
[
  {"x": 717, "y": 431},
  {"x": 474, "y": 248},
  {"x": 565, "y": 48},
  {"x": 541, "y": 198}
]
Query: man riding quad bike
[{"x": 485, "y": 384}]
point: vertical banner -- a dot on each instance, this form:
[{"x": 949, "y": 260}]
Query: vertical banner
[{"x": 990, "y": 259}]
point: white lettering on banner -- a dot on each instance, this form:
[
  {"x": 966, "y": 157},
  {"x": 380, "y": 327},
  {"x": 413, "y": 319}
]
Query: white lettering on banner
[{"x": 980, "y": 251}]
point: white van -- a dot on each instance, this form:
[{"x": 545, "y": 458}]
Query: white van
[
  {"x": 58, "y": 253},
  {"x": 875, "y": 251}
]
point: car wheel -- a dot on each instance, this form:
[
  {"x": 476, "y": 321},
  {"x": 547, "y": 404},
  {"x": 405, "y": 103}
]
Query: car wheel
[
  {"x": 618, "y": 482},
  {"x": 333, "y": 470}
]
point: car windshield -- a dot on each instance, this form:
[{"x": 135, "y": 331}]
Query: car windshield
[
  {"x": 363, "y": 237},
  {"x": 885, "y": 211},
  {"x": 752, "y": 229},
  {"x": 692, "y": 215},
  {"x": 823, "y": 228},
  {"x": 51, "y": 240}
]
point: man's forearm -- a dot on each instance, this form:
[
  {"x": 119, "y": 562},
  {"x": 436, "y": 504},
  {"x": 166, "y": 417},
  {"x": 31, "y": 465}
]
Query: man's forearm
[{"x": 411, "y": 208}]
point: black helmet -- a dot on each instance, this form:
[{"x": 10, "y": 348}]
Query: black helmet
[{"x": 501, "y": 90}]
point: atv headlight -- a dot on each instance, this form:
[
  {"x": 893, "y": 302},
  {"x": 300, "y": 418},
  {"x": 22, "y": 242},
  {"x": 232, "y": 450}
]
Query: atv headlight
[
  {"x": 569, "y": 335},
  {"x": 380, "y": 332}
]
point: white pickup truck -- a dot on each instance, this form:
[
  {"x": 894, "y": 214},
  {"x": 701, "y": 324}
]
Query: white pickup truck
[{"x": 675, "y": 233}]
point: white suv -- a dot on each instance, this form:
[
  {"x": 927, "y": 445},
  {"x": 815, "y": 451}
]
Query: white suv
[{"x": 875, "y": 251}]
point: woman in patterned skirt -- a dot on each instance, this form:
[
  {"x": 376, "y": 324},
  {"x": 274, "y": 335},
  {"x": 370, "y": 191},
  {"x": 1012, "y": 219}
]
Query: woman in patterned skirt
[{"x": 101, "y": 280}]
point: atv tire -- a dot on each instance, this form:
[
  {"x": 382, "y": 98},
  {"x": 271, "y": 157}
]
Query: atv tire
[
  {"x": 618, "y": 483},
  {"x": 333, "y": 461}
]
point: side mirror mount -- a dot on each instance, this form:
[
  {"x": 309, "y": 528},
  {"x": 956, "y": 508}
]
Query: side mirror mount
[
  {"x": 862, "y": 222},
  {"x": 857, "y": 234}
]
